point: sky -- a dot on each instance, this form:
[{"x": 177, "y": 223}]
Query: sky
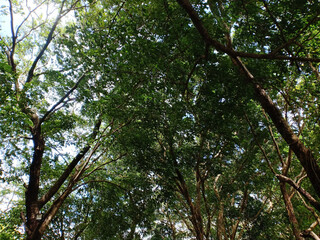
[
  {"x": 44, "y": 10},
  {"x": 4, "y": 19}
]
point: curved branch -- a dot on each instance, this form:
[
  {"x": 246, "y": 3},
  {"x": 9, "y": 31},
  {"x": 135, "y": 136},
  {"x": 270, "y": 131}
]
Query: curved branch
[
  {"x": 26, "y": 18},
  {"x": 44, "y": 48},
  {"x": 61, "y": 14}
]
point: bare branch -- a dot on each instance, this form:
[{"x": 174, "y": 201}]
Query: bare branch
[
  {"x": 311, "y": 234},
  {"x": 61, "y": 14},
  {"x": 30, "y": 31}
]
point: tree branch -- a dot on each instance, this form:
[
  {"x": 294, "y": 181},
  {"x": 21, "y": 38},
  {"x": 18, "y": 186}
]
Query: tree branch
[
  {"x": 55, "y": 187},
  {"x": 14, "y": 38},
  {"x": 26, "y": 18},
  {"x": 48, "y": 41},
  {"x": 62, "y": 99},
  {"x": 302, "y": 191}
]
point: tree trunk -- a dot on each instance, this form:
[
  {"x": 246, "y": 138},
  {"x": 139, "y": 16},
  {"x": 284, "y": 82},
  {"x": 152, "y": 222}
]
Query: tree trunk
[{"x": 32, "y": 193}]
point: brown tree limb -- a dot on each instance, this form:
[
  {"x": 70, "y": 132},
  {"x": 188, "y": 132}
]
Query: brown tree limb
[
  {"x": 290, "y": 211},
  {"x": 195, "y": 217},
  {"x": 52, "y": 211},
  {"x": 243, "y": 205},
  {"x": 312, "y": 210}
]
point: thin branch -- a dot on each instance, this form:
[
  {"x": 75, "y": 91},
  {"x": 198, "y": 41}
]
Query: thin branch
[
  {"x": 259, "y": 211},
  {"x": 312, "y": 210},
  {"x": 62, "y": 99},
  {"x": 302, "y": 191},
  {"x": 26, "y": 18},
  {"x": 29, "y": 32},
  {"x": 115, "y": 16},
  {"x": 82, "y": 166},
  {"x": 298, "y": 179},
  {"x": 198, "y": 60},
  {"x": 99, "y": 181},
  {"x": 49, "y": 39},
  {"x": 314, "y": 70},
  {"x": 104, "y": 164},
  {"x": 286, "y": 43},
  {"x": 292, "y": 40},
  {"x": 273, "y": 139},
  {"x": 259, "y": 145}
]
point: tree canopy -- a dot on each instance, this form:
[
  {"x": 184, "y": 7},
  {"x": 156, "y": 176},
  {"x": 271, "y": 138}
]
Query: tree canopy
[{"x": 160, "y": 119}]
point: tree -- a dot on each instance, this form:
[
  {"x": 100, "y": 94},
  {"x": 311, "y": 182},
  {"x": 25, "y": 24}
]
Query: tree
[
  {"x": 40, "y": 101},
  {"x": 210, "y": 106},
  {"x": 165, "y": 97},
  {"x": 290, "y": 49}
]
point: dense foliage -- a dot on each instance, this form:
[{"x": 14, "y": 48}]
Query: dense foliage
[{"x": 160, "y": 119}]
